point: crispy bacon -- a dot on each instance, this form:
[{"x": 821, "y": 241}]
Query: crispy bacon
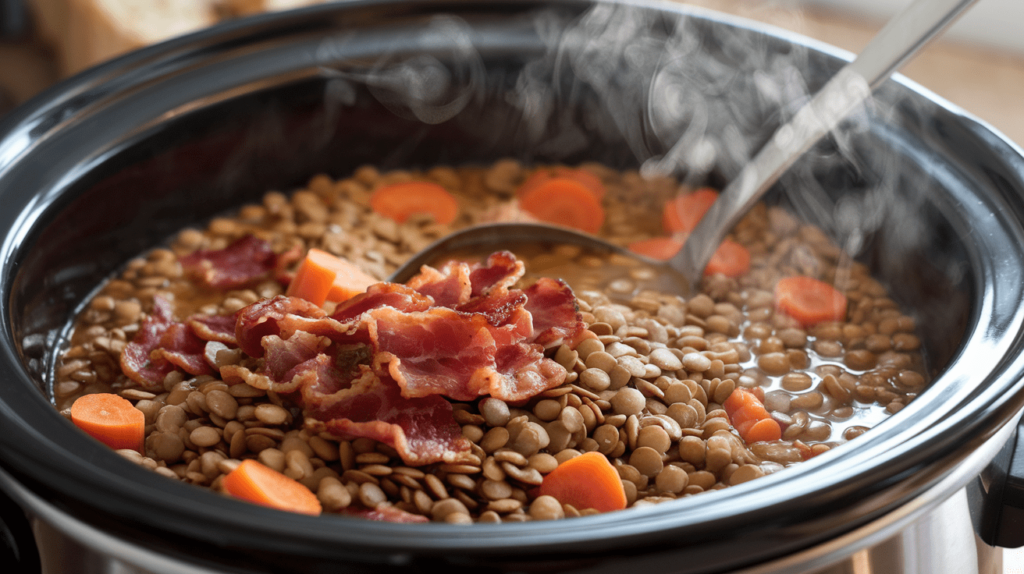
[
  {"x": 445, "y": 352},
  {"x": 160, "y": 346},
  {"x": 260, "y": 319},
  {"x": 381, "y": 365},
  {"x": 219, "y": 328},
  {"x": 421, "y": 430},
  {"x": 448, "y": 287},
  {"x": 394, "y": 295},
  {"x": 501, "y": 271},
  {"x": 499, "y": 308},
  {"x": 245, "y": 261},
  {"x": 556, "y": 316}
]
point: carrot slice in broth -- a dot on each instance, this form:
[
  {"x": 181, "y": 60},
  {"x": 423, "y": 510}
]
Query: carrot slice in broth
[
  {"x": 399, "y": 201},
  {"x": 564, "y": 202},
  {"x": 581, "y": 176},
  {"x": 586, "y": 481},
  {"x": 110, "y": 419},
  {"x": 730, "y": 259},
  {"x": 259, "y": 484},
  {"x": 809, "y": 301}
]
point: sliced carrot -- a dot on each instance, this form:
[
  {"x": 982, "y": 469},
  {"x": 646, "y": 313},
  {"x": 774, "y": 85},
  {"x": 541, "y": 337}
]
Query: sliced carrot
[
  {"x": 730, "y": 259},
  {"x": 314, "y": 278},
  {"x": 586, "y": 481},
  {"x": 809, "y": 301},
  {"x": 749, "y": 417},
  {"x": 349, "y": 282},
  {"x": 254, "y": 482},
  {"x": 660, "y": 248},
  {"x": 401, "y": 200},
  {"x": 543, "y": 174},
  {"x": 764, "y": 430},
  {"x": 564, "y": 202},
  {"x": 683, "y": 213},
  {"x": 738, "y": 399},
  {"x": 111, "y": 420},
  {"x": 325, "y": 277}
]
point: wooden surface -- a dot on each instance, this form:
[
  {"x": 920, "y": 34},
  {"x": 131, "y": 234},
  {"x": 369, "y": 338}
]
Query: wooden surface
[{"x": 983, "y": 82}]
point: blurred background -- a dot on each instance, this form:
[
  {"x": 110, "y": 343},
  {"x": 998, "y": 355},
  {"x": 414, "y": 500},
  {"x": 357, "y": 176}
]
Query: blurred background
[{"x": 978, "y": 65}]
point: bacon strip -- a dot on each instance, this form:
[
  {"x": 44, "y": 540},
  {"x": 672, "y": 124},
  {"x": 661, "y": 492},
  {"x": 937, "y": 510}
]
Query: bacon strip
[
  {"x": 219, "y": 328},
  {"x": 395, "y": 295},
  {"x": 421, "y": 430},
  {"x": 242, "y": 263},
  {"x": 381, "y": 365},
  {"x": 501, "y": 271},
  {"x": 448, "y": 287},
  {"x": 260, "y": 319},
  {"x": 444, "y": 352},
  {"x": 160, "y": 346},
  {"x": 556, "y": 316}
]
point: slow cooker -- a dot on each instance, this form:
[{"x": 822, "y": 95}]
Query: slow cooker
[{"x": 111, "y": 162}]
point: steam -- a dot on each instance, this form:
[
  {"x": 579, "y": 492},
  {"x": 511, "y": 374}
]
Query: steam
[
  {"x": 421, "y": 86},
  {"x": 691, "y": 98}
]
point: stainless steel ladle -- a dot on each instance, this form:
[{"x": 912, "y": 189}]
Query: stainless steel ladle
[{"x": 900, "y": 39}]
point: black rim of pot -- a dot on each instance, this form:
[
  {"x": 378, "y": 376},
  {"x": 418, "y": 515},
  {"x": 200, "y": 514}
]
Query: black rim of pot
[{"x": 905, "y": 455}]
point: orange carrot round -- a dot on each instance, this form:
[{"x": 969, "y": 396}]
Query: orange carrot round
[
  {"x": 586, "y": 481},
  {"x": 809, "y": 301},
  {"x": 401, "y": 200},
  {"x": 564, "y": 202},
  {"x": 660, "y": 248},
  {"x": 111, "y": 420},
  {"x": 683, "y": 213},
  {"x": 730, "y": 259},
  {"x": 764, "y": 430},
  {"x": 543, "y": 174},
  {"x": 254, "y": 482},
  {"x": 325, "y": 277}
]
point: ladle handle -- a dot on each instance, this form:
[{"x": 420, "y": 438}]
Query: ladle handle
[{"x": 901, "y": 37}]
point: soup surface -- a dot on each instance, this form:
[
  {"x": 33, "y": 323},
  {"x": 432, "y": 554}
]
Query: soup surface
[{"x": 677, "y": 395}]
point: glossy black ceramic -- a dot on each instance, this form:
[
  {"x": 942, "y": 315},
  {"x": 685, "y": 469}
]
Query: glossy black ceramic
[{"x": 113, "y": 161}]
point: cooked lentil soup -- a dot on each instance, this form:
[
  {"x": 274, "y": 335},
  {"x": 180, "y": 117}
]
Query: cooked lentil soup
[{"x": 645, "y": 385}]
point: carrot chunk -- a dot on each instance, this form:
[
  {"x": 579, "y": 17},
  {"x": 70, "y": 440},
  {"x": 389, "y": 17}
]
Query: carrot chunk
[
  {"x": 660, "y": 248},
  {"x": 564, "y": 202},
  {"x": 582, "y": 176},
  {"x": 809, "y": 301},
  {"x": 254, "y": 482},
  {"x": 586, "y": 481},
  {"x": 764, "y": 430},
  {"x": 682, "y": 213},
  {"x": 730, "y": 259},
  {"x": 401, "y": 200},
  {"x": 324, "y": 277},
  {"x": 748, "y": 415},
  {"x": 111, "y": 420}
]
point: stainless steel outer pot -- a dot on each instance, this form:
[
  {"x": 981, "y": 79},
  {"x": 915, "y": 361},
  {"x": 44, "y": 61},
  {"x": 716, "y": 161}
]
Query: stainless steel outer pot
[{"x": 112, "y": 161}]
